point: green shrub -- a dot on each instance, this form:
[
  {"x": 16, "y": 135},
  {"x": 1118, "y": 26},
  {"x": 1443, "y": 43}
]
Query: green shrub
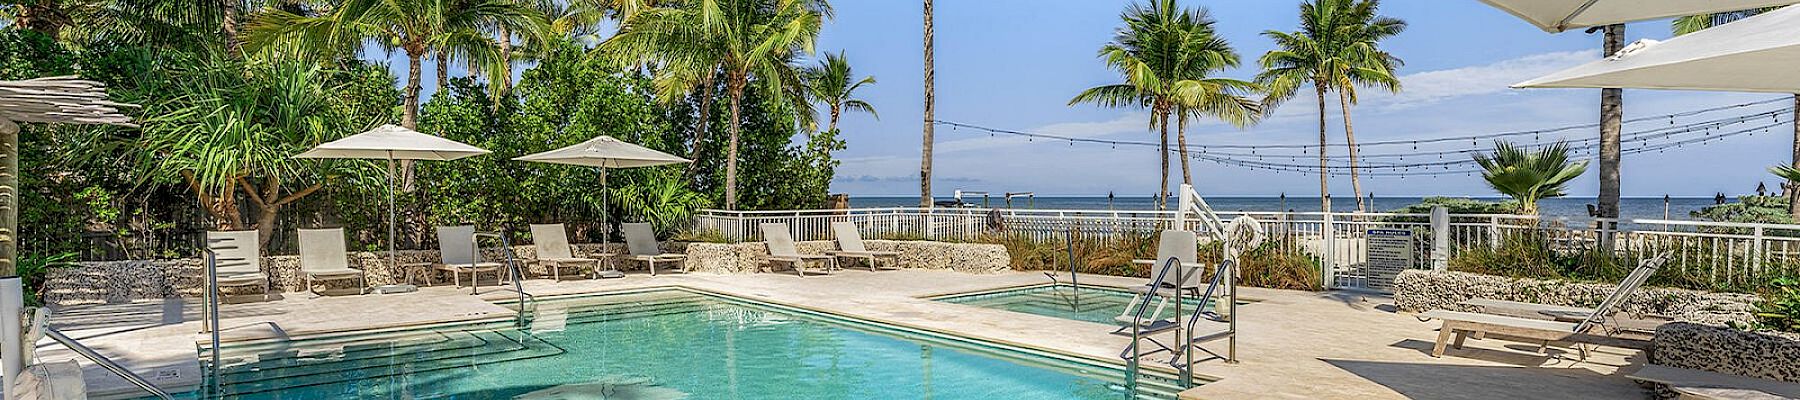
[
  {"x": 701, "y": 236},
  {"x": 34, "y": 270},
  {"x": 1460, "y": 205},
  {"x": 1780, "y": 309},
  {"x": 1272, "y": 265},
  {"x": 1754, "y": 209}
]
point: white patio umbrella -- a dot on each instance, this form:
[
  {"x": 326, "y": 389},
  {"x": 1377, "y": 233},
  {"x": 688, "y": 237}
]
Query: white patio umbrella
[
  {"x": 389, "y": 142},
  {"x": 605, "y": 152},
  {"x": 1560, "y": 15},
  {"x": 1755, "y": 54}
]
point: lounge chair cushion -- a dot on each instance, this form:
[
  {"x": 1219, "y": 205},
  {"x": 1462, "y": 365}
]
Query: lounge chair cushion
[
  {"x": 480, "y": 266},
  {"x": 847, "y": 253},
  {"x": 1713, "y": 385},
  {"x": 243, "y": 279}
]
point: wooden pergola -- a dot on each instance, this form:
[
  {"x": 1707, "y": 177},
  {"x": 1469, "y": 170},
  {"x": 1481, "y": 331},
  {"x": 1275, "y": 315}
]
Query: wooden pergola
[{"x": 54, "y": 100}]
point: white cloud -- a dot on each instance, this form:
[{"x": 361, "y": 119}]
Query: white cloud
[{"x": 1440, "y": 85}]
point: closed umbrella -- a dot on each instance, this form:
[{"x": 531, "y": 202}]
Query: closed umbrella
[
  {"x": 1755, "y": 54},
  {"x": 605, "y": 152},
  {"x": 1560, "y": 15},
  {"x": 389, "y": 142}
]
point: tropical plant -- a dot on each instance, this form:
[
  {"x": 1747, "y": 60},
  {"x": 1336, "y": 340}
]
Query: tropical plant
[
  {"x": 34, "y": 270},
  {"x": 1333, "y": 50},
  {"x": 662, "y": 200},
  {"x": 415, "y": 27},
  {"x": 750, "y": 41},
  {"x": 833, "y": 82},
  {"x": 1165, "y": 53},
  {"x": 1748, "y": 209},
  {"x": 1528, "y": 176},
  {"x": 230, "y": 126},
  {"x": 1780, "y": 308}
]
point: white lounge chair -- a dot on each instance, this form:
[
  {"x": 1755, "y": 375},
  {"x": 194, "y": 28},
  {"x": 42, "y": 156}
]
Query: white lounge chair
[
  {"x": 850, "y": 245},
  {"x": 554, "y": 252},
  {"x": 240, "y": 259},
  {"x": 640, "y": 242},
  {"x": 456, "y": 252},
  {"x": 782, "y": 250},
  {"x": 322, "y": 257},
  {"x": 1597, "y": 327},
  {"x": 1644, "y": 325}
]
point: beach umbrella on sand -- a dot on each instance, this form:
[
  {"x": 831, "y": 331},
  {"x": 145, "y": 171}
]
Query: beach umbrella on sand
[
  {"x": 606, "y": 153},
  {"x": 1755, "y": 54},
  {"x": 389, "y": 142},
  {"x": 1560, "y": 15}
]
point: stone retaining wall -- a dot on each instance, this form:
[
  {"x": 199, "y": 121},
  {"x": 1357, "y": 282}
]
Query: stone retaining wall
[
  {"x": 738, "y": 258},
  {"x": 1766, "y": 355},
  {"x": 1420, "y": 290},
  {"x": 125, "y": 281}
]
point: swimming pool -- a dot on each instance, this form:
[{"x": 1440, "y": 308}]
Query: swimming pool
[
  {"x": 1086, "y": 303},
  {"x": 667, "y": 344}
]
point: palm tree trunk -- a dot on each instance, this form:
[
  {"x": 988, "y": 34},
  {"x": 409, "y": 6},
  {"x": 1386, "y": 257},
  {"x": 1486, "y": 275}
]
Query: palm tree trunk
[
  {"x": 706, "y": 99},
  {"x": 409, "y": 117},
  {"x": 1611, "y": 114},
  {"x": 1324, "y": 171},
  {"x": 1350, "y": 141},
  {"x": 1187, "y": 176},
  {"x": 736, "y": 92},
  {"x": 505, "y": 82},
  {"x": 1793, "y": 191},
  {"x": 836, "y": 110},
  {"x": 930, "y": 108},
  {"x": 443, "y": 70},
  {"x": 228, "y": 25},
  {"x": 1162, "y": 193}
]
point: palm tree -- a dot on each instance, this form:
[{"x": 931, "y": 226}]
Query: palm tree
[
  {"x": 750, "y": 41},
  {"x": 1529, "y": 176},
  {"x": 1333, "y": 50},
  {"x": 1363, "y": 31},
  {"x": 831, "y": 83},
  {"x": 1164, "y": 52},
  {"x": 930, "y": 112},
  {"x": 415, "y": 27},
  {"x": 1696, "y": 23}
]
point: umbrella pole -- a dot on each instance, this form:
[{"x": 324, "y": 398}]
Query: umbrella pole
[
  {"x": 605, "y": 228},
  {"x": 392, "y": 255}
]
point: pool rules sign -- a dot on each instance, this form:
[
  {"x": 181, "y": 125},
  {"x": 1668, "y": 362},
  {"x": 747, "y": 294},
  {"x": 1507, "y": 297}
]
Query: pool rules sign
[{"x": 1390, "y": 251}]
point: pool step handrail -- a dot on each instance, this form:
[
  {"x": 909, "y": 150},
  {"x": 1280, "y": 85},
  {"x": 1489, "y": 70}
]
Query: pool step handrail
[
  {"x": 513, "y": 271},
  {"x": 1221, "y": 280},
  {"x": 106, "y": 363},
  {"x": 1133, "y": 352}
]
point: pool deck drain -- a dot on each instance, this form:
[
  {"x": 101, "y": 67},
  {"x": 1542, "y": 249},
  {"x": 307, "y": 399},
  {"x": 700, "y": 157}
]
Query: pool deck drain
[{"x": 1294, "y": 344}]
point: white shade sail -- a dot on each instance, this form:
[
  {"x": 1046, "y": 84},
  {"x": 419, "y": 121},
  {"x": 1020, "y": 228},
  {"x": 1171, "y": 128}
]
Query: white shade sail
[
  {"x": 1756, "y": 54},
  {"x": 396, "y": 143},
  {"x": 1560, "y": 15},
  {"x": 605, "y": 152}
]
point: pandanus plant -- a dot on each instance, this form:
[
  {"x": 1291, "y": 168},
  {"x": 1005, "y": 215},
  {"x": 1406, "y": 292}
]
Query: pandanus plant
[{"x": 1528, "y": 176}]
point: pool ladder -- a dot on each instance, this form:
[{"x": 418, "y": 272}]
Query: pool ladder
[
  {"x": 527, "y": 302},
  {"x": 1183, "y": 354}
]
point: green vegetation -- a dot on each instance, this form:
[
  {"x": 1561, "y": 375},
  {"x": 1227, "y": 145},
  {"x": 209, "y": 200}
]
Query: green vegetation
[
  {"x": 1272, "y": 264},
  {"x": 1529, "y": 176},
  {"x": 1336, "y": 48},
  {"x": 34, "y": 270},
  {"x": 1459, "y": 205},
  {"x": 1167, "y": 55},
  {"x": 1697, "y": 265},
  {"x": 1749, "y": 209},
  {"x": 232, "y": 90},
  {"x": 1780, "y": 309}
]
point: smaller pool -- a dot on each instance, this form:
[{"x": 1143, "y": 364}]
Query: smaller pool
[{"x": 1087, "y": 303}]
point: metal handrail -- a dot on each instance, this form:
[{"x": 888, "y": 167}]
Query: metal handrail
[
  {"x": 212, "y": 305},
  {"x": 107, "y": 364},
  {"x": 512, "y": 268},
  {"x": 1137, "y": 320}
]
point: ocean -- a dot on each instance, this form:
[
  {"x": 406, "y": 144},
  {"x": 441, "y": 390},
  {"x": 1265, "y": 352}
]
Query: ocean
[{"x": 1570, "y": 209}]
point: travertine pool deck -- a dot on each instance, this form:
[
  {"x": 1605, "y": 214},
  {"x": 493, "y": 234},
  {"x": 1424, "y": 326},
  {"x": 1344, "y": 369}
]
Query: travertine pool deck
[{"x": 1294, "y": 344}]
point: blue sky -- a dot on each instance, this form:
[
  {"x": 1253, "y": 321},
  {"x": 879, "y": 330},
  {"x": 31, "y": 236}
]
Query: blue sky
[{"x": 1014, "y": 64}]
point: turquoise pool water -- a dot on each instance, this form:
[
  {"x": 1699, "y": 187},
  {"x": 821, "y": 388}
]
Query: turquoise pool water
[
  {"x": 666, "y": 344},
  {"x": 1087, "y": 303}
]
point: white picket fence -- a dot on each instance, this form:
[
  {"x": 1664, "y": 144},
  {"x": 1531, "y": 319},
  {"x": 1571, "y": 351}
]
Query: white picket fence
[{"x": 1715, "y": 254}]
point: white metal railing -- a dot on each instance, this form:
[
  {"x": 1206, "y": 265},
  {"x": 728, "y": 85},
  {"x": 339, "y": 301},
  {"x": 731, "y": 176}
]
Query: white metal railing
[{"x": 1719, "y": 254}]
